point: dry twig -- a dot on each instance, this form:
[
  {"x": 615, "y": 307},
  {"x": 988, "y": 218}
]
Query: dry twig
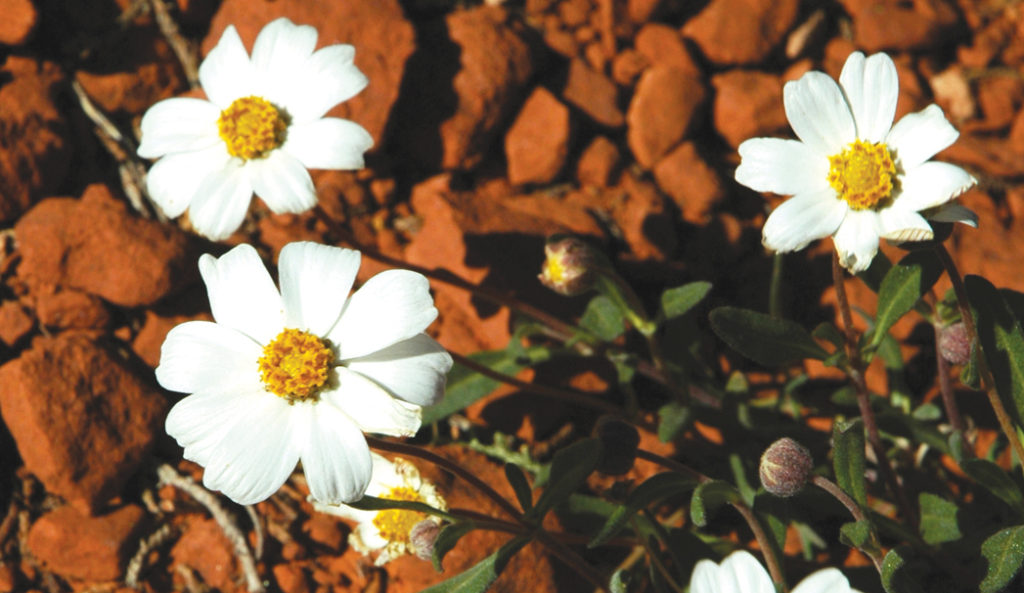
[
  {"x": 138, "y": 561},
  {"x": 181, "y": 47}
]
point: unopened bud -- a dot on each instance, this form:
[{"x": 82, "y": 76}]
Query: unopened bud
[
  {"x": 422, "y": 537},
  {"x": 954, "y": 345},
  {"x": 619, "y": 440},
  {"x": 786, "y": 467},
  {"x": 569, "y": 265}
]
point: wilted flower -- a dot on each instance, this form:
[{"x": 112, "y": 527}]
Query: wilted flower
[
  {"x": 570, "y": 265},
  {"x": 853, "y": 174},
  {"x": 300, "y": 373},
  {"x": 261, "y": 128},
  {"x": 393, "y": 532},
  {"x": 741, "y": 572}
]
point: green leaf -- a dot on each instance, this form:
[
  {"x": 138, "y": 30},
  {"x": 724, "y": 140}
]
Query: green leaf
[
  {"x": 678, "y": 301},
  {"x": 446, "y": 540},
  {"x": 764, "y": 339},
  {"x": 603, "y": 318},
  {"x": 708, "y": 497},
  {"x": 876, "y": 272},
  {"x": 479, "y": 577},
  {"x": 520, "y": 486},
  {"x": 856, "y": 534},
  {"x": 466, "y": 386},
  {"x": 938, "y": 519},
  {"x": 1005, "y": 554},
  {"x": 901, "y": 288},
  {"x": 654, "y": 489},
  {"x": 617, "y": 584},
  {"x": 673, "y": 418},
  {"x": 372, "y": 503},
  {"x": 1002, "y": 342},
  {"x": 569, "y": 468},
  {"x": 848, "y": 459},
  {"x": 995, "y": 480},
  {"x": 896, "y": 578}
]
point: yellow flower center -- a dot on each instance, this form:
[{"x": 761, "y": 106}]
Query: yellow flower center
[
  {"x": 863, "y": 174},
  {"x": 554, "y": 270},
  {"x": 252, "y": 127},
  {"x": 394, "y": 525},
  {"x": 294, "y": 365}
]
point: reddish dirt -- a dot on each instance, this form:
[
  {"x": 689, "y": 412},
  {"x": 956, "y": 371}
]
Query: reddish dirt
[{"x": 495, "y": 126}]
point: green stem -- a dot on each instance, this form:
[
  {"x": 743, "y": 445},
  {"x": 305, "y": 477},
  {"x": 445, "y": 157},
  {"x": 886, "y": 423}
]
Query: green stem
[
  {"x": 775, "y": 288},
  {"x": 855, "y": 510}
]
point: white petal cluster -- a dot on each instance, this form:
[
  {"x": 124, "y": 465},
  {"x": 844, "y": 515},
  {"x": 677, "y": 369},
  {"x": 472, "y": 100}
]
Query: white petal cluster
[
  {"x": 828, "y": 117},
  {"x": 384, "y": 369},
  {"x": 368, "y": 537},
  {"x": 742, "y": 573},
  {"x": 196, "y": 170}
]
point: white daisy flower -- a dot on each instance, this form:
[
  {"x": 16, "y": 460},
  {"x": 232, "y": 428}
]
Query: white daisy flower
[
  {"x": 300, "y": 374},
  {"x": 261, "y": 128},
  {"x": 742, "y": 573},
  {"x": 853, "y": 175},
  {"x": 390, "y": 532}
]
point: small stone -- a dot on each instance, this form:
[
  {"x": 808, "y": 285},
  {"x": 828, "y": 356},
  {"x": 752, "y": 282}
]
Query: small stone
[
  {"x": 71, "y": 309},
  {"x": 204, "y": 548},
  {"x": 593, "y": 93},
  {"x": 598, "y": 162},
  {"x": 627, "y": 66},
  {"x": 1000, "y": 97},
  {"x": 77, "y": 546},
  {"x": 15, "y": 322},
  {"x": 693, "y": 185},
  {"x": 748, "y": 104},
  {"x": 82, "y": 431},
  {"x": 641, "y": 11},
  {"x": 324, "y": 530},
  {"x": 661, "y": 44},
  {"x": 538, "y": 141},
  {"x": 732, "y": 32},
  {"x": 18, "y": 22},
  {"x": 291, "y": 578},
  {"x": 891, "y": 25},
  {"x": 662, "y": 112}
]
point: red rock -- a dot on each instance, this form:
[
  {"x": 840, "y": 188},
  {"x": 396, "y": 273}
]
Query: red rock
[
  {"x": 383, "y": 38},
  {"x": 992, "y": 252},
  {"x": 644, "y": 219},
  {"x": 1000, "y": 97},
  {"x": 627, "y": 66},
  {"x": 661, "y": 44},
  {"x": 71, "y": 309},
  {"x": 880, "y": 25},
  {"x": 82, "y": 431},
  {"x": 154, "y": 330},
  {"x": 561, "y": 41},
  {"x": 593, "y": 94},
  {"x": 741, "y": 31},
  {"x": 80, "y": 547},
  {"x": 204, "y": 548},
  {"x": 598, "y": 162},
  {"x": 15, "y": 322},
  {"x": 641, "y": 11},
  {"x": 748, "y": 104},
  {"x": 538, "y": 141},
  {"x": 19, "y": 20},
  {"x": 663, "y": 109},
  {"x": 693, "y": 185},
  {"x": 33, "y": 148},
  {"x": 986, "y": 43},
  {"x": 8, "y": 578},
  {"x": 291, "y": 578},
  {"x": 1016, "y": 137},
  {"x": 325, "y": 530},
  {"x": 574, "y": 12},
  {"x": 97, "y": 246}
]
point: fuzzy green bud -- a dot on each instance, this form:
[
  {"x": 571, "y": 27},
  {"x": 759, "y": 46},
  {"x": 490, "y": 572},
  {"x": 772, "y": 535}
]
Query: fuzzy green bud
[
  {"x": 954, "y": 345},
  {"x": 786, "y": 467},
  {"x": 422, "y": 537}
]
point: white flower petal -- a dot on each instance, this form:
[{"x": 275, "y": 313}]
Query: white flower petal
[
  {"x": 227, "y": 74},
  {"x": 282, "y": 183},
  {"x": 280, "y": 50},
  {"x": 198, "y": 355},
  {"x": 178, "y": 125},
  {"x": 857, "y": 240},
  {"x": 817, "y": 111},
  {"x": 898, "y": 224},
  {"x": 932, "y": 184},
  {"x": 257, "y": 454},
  {"x": 872, "y": 88},
  {"x": 200, "y": 421},
  {"x": 221, "y": 201},
  {"x": 392, "y": 306},
  {"x": 172, "y": 181},
  {"x": 802, "y": 219},
  {"x": 327, "y": 78},
  {"x": 953, "y": 212},
  {"x": 780, "y": 166},
  {"x": 826, "y": 580},
  {"x": 336, "y": 458},
  {"x": 242, "y": 294},
  {"x": 919, "y": 136},
  {"x": 371, "y": 407},
  {"x": 328, "y": 143},
  {"x": 705, "y": 577},
  {"x": 413, "y": 370},
  {"x": 315, "y": 282},
  {"x": 742, "y": 573}
]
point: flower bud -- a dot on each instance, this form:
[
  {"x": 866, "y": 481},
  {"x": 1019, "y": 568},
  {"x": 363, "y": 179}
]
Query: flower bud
[
  {"x": 954, "y": 345},
  {"x": 422, "y": 537},
  {"x": 569, "y": 266},
  {"x": 619, "y": 440},
  {"x": 785, "y": 467}
]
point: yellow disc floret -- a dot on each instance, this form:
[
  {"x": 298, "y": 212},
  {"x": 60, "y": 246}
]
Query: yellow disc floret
[
  {"x": 863, "y": 174},
  {"x": 394, "y": 525},
  {"x": 252, "y": 127},
  {"x": 294, "y": 365}
]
